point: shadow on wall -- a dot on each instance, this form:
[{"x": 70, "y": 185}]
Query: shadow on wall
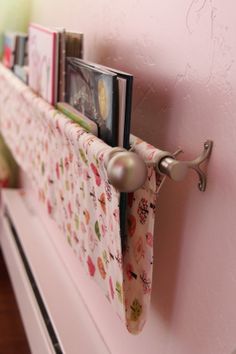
[
  {"x": 171, "y": 215},
  {"x": 151, "y": 107},
  {"x": 155, "y": 110},
  {"x": 151, "y": 116}
]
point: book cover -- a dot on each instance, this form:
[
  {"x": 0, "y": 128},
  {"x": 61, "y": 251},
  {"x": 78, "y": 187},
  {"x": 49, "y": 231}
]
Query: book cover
[
  {"x": 9, "y": 49},
  {"x": 70, "y": 45},
  {"x": 125, "y": 91},
  {"x": 21, "y": 58},
  {"x": 74, "y": 44},
  {"x": 93, "y": 91},
  {"x": 43, "y": 62}
]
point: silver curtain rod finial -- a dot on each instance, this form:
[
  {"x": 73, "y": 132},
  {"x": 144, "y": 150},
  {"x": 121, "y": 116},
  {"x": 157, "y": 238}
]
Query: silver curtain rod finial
[{"x": 126, "y": 170}]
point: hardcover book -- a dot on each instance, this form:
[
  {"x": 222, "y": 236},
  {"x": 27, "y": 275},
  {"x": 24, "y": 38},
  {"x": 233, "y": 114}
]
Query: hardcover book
[
  {"x": 124, "y": 102},
  {"x": 15, "y": 49},
  {"x": 9, "y": 49},
  {"x": 22, "y": 50},
  {"x": 125, "y": 90},
  {"x": 71, "y": 45},
  {"x": 43, "y": 61},
  {"x": 93, "y": 91}
]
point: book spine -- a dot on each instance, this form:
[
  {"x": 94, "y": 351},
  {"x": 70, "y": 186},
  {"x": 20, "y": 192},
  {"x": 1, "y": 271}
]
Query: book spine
[{"x": 62, "y": 65}]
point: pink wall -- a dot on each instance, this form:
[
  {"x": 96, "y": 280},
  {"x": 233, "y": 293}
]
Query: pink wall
[{"x": 182, "y": 54}]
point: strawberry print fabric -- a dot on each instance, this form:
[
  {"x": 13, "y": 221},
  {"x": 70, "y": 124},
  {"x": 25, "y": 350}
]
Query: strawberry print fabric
[{"x": 66, "y": 166}]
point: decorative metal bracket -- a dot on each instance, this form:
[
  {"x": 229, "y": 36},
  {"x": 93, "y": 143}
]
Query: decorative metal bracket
[{"x": 177, "y": 170}]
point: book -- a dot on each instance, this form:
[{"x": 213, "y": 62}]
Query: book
[
  {"x": 9, "y": 49},
  {"x": 77, "y": 117},
  {"x": 21, "y": 58},
  {"x": 43, "y": 61},
  {"x": 93, "y": 91},
  {"x": 70, "y": 45},
  {"x": 15, "y": 49},
  {"x": 125, "y": 90},
  {"x": 124, "y": 99}
]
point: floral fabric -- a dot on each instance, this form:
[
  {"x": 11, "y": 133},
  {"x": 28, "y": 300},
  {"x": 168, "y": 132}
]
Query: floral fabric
[{"x": 66, "y": 165}]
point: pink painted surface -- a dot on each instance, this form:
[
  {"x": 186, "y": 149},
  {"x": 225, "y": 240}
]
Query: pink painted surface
[{"x": 183, "y": 57}]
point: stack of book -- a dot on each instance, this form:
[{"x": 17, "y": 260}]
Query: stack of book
[
  {"x": 48, "y": 49},
  {"x": 97, "y": 97}
]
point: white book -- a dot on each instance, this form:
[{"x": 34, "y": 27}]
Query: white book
[{"x": 43, "y": 61}]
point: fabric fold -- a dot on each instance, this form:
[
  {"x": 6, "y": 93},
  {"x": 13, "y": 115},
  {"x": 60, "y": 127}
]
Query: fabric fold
[{"x": 66, "y": 166}]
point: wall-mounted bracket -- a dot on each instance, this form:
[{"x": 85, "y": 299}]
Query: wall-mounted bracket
[{"x": 177, "y": 170}]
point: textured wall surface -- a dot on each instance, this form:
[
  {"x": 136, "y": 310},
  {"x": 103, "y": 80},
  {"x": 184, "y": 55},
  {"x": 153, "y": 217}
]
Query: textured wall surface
[{"x": 182, "y": 54}]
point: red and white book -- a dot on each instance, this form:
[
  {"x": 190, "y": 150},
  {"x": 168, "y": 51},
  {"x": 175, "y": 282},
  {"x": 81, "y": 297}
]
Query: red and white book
[{"x": 43, "y": 61}]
